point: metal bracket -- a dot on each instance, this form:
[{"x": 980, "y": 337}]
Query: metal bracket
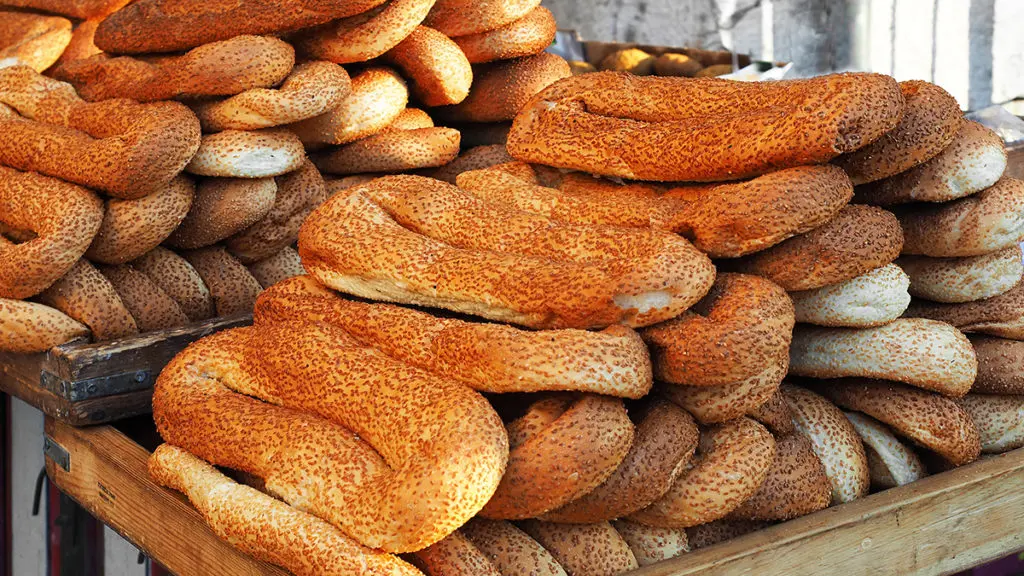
[
  {"x": 96, "y": 387},
  {"x": 57, "y": 453}
]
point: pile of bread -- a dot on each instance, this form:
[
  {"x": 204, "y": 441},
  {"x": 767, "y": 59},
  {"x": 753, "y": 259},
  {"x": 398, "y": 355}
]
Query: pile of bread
[
  {"x": 160, "y": 156},
  {"x": 574, "y": 362},
  {"x": 688, "y": 62}
]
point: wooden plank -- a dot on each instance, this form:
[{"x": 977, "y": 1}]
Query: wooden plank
[
  {"x": 108, "y": 477},
  {"x": 940, "y": 525}
]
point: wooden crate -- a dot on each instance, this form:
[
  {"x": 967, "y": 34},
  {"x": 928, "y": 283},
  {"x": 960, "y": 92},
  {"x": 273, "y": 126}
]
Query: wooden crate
[
  {"x": 940, "y": 525},
  {"x": 83, "y": 383}
]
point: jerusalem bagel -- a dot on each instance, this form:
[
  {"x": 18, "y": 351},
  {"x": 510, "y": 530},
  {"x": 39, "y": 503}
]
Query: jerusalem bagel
[
  {"x": 874, "y": 298},
  {"x": 27, "y": 327},
  {"x": 87, "y": 296},
  {"x": 179, "y": 280},
  {"x": 965, "y": 279}
]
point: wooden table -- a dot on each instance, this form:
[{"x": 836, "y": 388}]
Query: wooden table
[{"x": 940, "y": 525}]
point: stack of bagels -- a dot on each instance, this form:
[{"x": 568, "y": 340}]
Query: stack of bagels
[{"x": 162, "y": 155}]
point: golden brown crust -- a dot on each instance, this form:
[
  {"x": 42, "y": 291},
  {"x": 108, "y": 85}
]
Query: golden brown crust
[
  {"x": 929, "y": 420},
  {"x": 120, "y": 147},
  {"x": 315, "y": 446},
  {"x": 34, "y": 40},
  {"x": 561, "y": 460},
  {"x": 311, "y": 89},
  {"x": 501, "y": 89},
  {"x": 664, "y": 440},
  {"x": 743, "y": 325},
  {"x": 277, "y": 268},
  {"x": 87, "y": 296},
  {"x": 834, "y": 441},
  {"x": 233, "y": 288},
  {"x": 133, "y": 227},
  {"x": 966, "y": 279},
  {"x": 173, "y": 25},
  {"x": 999, "y": 420},
  {"x": 27, "y": 327},
  {"x": 485, "y": 356},
  {"x": 1000, "y": 365},
  {"x": 150, "y": 307},
  {"x": 542, "y": 273},
  {"x": 223, "y": 207},
  {"x": 584, "y": 549},
  {"x": 1001, "y": 315},
  {"x": 871, "y": 299},
  {"x": 80, "y": 46},
  {"x": 298, "y": 193},
  {"x": 377, "y": 98},
  {"x": 858, "y": 239},
  {"x": 179, "y": 280},
  {"x": 721, "y": 530},
  {"x": 651, "y": 544},
  {"x": 217, "y": 69},
  {"x": 64, "y": 219},
  {"x": 796, "y": 484},
  {"x": 980, "y": 224},
  {"x": 511, "y": 550},
  {"x": 930, "y": 122},
  {"x": 439, "y": 71},
  {"x": 463, "y": 17},
  {"x": 267, "y": 528},
  {"x": 724, "y": 402},
  {"x": 775, "y": 415},
  {"x": 673, "y": 129},
  {"x": 524, "y": 37},
  {"x": 476, "y": 158},
  {"x": 732, "y": 460},
  {"x": 364, "y": 36},
  {"x": 248, "y": 154},
  {"x": 392, "y": 151},
  {"x": 81, "y": 9},
  {"x": 974, "y": 161},
  {"x": 455, "y": 555}
]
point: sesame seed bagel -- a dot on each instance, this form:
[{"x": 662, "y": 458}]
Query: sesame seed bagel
[
  {"x": 80, "y": 46},
  {"x": 890, "y": 463},
  {"x": 150, "y": 307},
  {"x": 34, "y": 40},
  {"x": 523, "y": 37},
  {"x": 233, "y": 288},
  {"x": 719, "y": 531},
  {"x": 278, "y": 268},
  {"x": 439, "y": 71},
  {"x": 392, "y": 151},
  {"x": 859, "y": 239},
  {"x": 501, "y": 89},
  {"x": 511, "y": 550},
  {"x": 929, "y": 420},
  {"x": 133, "y": 227},
  {"x": 248, "y": 154},
  {"x": 298, "y": 193},
  {"x": 871, "y": 299},
  {"x": 27, "y": 327},
  {"x": 455, "y": 555},
  {"x": 378, "y": 96},
  {"x": 173, "y": 25},
  {"x": 834, "y": 441},
  {"x": 544, "y": 274},
  {"x": 410, "y": 119},
  {"x": 223, "y": 207},
  {"x": 584, "y": 549},
  {"x": 775, "y": 415},
  {"x": 999, "y": 419},
  {"x": 475, "y": 158},
  {"x": 299, "y": 419},
  {"x": 216, "y": 69},
  {"x": 679, "y": 129},
  {"x": 924, "y": 353},
  {"x": 651, "y": 544},
  {"x": 1001, "y": 315},
  {"x": 664, "y": 440},
  {"x": 743, "y": 325},
  {"x": 560, "y": 450},
  {"x": 485, "y": 356},
  {"x": 974, "y": 161},
  {"x": 930, "y": 122},
  {"x": 463, "y": 17},
  {"x": 125, "y": 149},
  {"x": 80, "y": 9},
  {"x": 265, "y": 527},
  {"x": 980, "y": 224},
  {"x": 311, "y": 89},
  {"x": 796, "y": 484},
  {"x": 87, "y": 296},
  {"x": 965, "y": 279},
  {"x": 179, "y": 280},
  {"x": 1000, "y": 365},
  {"x": 732, "y": 460},
  {"x": 724, "y": 402},
  {"x": 364, "y": 36},
  {"x": 64, "y": 219}
]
